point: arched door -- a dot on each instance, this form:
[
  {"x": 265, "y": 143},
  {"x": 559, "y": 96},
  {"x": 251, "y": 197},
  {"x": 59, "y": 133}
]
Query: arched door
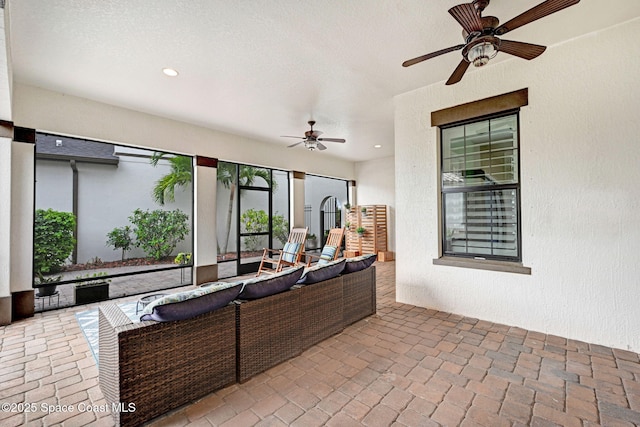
[{"x": 330, "y": 216}]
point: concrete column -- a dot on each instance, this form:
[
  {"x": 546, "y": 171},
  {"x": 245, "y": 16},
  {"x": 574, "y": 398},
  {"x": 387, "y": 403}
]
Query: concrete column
[
  {"x": 353, "y": 196},
  {"x": 205, "y": 260},
  {"x": 297, "y": 199},
  {"x": 21, "y": 217},
  {"x": 5, "y": 225}
]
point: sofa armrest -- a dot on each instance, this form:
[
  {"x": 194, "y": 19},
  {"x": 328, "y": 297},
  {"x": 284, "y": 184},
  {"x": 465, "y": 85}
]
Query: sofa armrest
[{"x": 144, "y": 363}]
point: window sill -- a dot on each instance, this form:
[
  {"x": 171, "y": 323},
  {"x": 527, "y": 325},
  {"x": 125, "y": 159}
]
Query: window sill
[{"x": 482, "y": 264}]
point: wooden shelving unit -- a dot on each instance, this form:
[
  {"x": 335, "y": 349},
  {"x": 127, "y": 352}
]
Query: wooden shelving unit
[{"x": 374, "y": 241}]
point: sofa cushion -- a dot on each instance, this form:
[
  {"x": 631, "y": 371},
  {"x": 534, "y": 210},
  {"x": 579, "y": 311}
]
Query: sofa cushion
[
  {"x": 327, "y": 255},
  {"x": 321, "y": 272},
  {"x": 191, "y": 303},
  {"x": 359, "y": 263},
  {"x": 290, "y": 251},
  {"x": 263, "y": 286}
]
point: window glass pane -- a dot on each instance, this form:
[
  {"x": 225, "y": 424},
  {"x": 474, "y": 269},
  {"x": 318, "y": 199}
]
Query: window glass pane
[
  {"x": 503, "y": 167},
  {"x": 453, "y": 157},
  {"x": 504, "y": 132},
  {"x": 453, "y": 142},
  {"x": 254, "y": 177},
  {"x": 481, "y": 223}
]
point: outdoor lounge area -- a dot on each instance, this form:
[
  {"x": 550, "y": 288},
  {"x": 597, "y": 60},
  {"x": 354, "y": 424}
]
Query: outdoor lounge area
[
  {"x": 164, "y": 160},
  {"x": 404, "y": 366}
]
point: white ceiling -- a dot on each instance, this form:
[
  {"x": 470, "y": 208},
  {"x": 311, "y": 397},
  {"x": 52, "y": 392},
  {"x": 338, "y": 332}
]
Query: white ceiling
[{"x": 264, "y": 68}]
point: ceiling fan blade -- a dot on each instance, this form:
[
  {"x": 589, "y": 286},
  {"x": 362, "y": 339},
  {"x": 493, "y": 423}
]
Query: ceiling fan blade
[
  {"x": 332, "y": 139},
  {"x": 458, "y": 72},
  {"x": 289, "y": 136},
  {"x": 523, "y": 50},
  {"x": 316, "y": 133},
  {"x": 431, "y": 55},
  {"x": 467, "y": 16},
  {"x": 540, "y": 11},
  {"x": 321, "y": 146},
  {"x": 293, "y": 145}
]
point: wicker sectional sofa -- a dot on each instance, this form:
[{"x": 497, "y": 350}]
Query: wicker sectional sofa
[{"x": 160, "y": 366}]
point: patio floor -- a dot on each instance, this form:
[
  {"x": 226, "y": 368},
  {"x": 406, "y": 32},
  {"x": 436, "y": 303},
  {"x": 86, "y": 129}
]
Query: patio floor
[{"x": 405, "y": 366}]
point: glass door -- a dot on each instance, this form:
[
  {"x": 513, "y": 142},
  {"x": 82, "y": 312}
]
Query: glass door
[
  {"x": 255, "y": 219},
  {"x": 253, "y": 214}
]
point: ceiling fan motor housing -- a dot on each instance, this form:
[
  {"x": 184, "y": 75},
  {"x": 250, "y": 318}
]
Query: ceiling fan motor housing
[{"x": 480, "y": 5}]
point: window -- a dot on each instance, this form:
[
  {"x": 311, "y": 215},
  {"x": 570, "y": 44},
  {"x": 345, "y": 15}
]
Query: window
[
  {"x": 107, "y": 212},
  {"x": 481, "y": 188}
]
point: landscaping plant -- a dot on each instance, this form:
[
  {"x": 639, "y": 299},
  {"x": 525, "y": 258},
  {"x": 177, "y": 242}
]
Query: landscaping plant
[
  {"x": 158, "y": 232},
  {"x": 120, "y": 238},
  {"x": 53, "y": 240},
  {"x": 257, "y": 221}
]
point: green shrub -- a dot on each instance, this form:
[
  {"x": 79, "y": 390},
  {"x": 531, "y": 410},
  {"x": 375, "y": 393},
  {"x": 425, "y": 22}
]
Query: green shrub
[
  {"x": 53, "y": 240},
  {"x": 120, "y": 238},
  {"x": 254, "y": 221},
  {"x": 158, "y": 232},
  {"x": 280, "y": 228}
]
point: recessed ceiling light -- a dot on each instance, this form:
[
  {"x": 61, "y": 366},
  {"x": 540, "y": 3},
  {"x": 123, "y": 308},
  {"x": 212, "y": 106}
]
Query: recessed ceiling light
[
  {"x": 377, "y": 146},
  {"x": 170, "y": 72}
]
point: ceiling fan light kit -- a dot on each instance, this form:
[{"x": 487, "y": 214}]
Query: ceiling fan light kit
[
  {"x": 481, "y": 50},
  {"x": 480, "y": 34}
]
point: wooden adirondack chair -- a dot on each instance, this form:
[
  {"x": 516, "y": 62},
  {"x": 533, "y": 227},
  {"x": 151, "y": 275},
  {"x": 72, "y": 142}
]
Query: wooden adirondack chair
[
  {"x": 274, "y": 260},
  {"x": 331, "y": 248}
]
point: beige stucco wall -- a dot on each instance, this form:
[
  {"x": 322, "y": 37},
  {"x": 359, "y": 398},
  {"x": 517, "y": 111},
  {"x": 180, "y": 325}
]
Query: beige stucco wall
[
  {"x": 54, "y": 112},
  {"x": 376, "y": 186},
  {"x": 580, "y": 171}
]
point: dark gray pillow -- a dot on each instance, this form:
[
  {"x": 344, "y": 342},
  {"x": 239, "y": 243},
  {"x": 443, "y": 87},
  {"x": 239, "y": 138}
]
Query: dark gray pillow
[
  {"x": 319, "y": 273},
  {"x": 192, "y": 303},
  {"x": 263, "y": 286},
  {"x": 359, "y": 263}
]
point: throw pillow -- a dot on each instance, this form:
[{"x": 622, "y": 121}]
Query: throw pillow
[
  {"x": 192, "y": 303},
  {"x": 263, "y": 286},
  {"x": 321, "y": 272},
  {"x": 359, "y": 263},
  {"x": 327, "y": 255},
  {"x": 290, "y": 252}
]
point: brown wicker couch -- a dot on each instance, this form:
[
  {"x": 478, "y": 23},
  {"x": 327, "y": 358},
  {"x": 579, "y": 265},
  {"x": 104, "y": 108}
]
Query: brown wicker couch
[
  {"x": 278, "y": 327},
  {"x": 162, "y": 366}
]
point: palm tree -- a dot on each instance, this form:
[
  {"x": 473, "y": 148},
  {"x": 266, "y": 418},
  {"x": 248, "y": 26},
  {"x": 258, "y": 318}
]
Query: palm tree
[
  {"x": 181, "y": 175},
  {"x": 227, "y": 177}
]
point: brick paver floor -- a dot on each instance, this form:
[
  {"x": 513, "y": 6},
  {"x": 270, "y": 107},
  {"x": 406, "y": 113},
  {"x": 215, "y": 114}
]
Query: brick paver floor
[{"x": 404, "y": 366}]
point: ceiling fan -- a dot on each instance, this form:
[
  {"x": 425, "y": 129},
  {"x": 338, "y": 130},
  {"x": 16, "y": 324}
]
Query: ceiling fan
[
  {"x": 481, "y": 35},
  {"x": 311, "y": 140}
]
